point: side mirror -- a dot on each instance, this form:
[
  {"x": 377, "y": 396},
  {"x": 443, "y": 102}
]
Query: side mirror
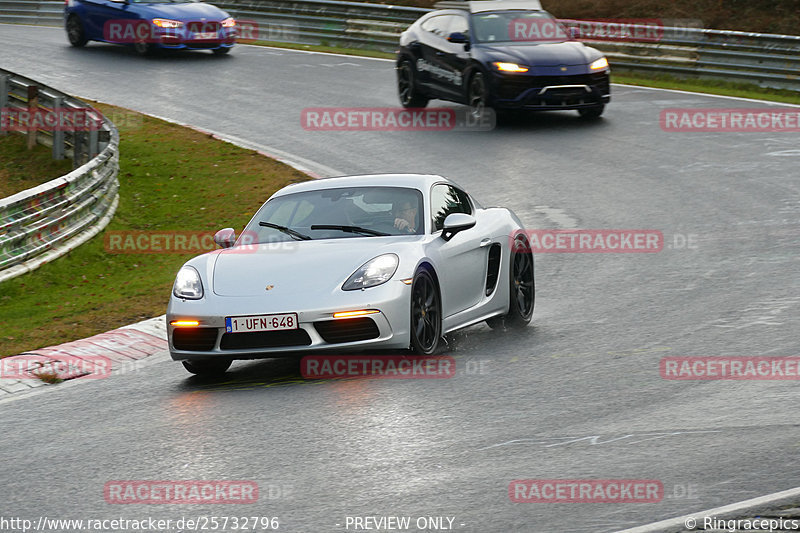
[
  {"x": 458, "y": 38},
  {"x": 455, "y": 223},
  {"x": 225, "y": 237}
]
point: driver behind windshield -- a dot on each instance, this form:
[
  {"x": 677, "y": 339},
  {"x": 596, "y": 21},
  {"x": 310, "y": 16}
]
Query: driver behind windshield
[{"x": 405, "y": 213}]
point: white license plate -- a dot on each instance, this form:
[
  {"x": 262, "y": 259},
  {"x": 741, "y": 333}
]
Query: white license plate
[
  {"x": 241, "y": 324},
  {"x": 205, "y": 36}
]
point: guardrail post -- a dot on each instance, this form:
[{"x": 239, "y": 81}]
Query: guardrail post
[
  {"x": 33, "y": 106},
  {"x": 77, "y": 148},
  {"x": 93, "y": 122},
  {"x": 3, "y": 97},
  {"x": 58, "y": 132}
]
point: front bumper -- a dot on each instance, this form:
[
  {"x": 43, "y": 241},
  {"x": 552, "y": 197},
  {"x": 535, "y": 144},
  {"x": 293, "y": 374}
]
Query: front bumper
[
  {"x": 186, "y": 39},
  {"x": 540, "y": 93},
  {"x": 318, "y": 330}
]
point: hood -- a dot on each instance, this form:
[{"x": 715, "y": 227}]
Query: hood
[
  {"x": 542, "y": 54},
  {"x": 297, "y": 268},
  {"x": 184, "y": 12}
]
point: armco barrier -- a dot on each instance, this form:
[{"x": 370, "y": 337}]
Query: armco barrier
[
  {"x": 47, "y": 221},
  {"x": 763, "y": 59}
]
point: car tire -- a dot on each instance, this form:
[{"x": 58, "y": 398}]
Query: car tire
[
  {"x": 590, "y": 113},
  {"x": 208, "y": 367},
  {"x": 478, "y": 96},
  {"x": 75, "y": 32},
  {"x": 426, "y": 313},
  {"x": 522, "y": 288},
  {"x": 144, "y": 49},
  {"x": 221, "y": 51},
  {"x": 407, "y": 88}
]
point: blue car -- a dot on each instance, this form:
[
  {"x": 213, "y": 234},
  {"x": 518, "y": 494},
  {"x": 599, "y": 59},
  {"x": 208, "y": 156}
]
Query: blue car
[
  {"x": 501, "y": 54},
  {"x": 149, "y": 25}
]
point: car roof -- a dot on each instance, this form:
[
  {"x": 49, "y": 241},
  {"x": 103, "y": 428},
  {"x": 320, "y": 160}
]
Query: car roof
[
  {"x": 480, "y": 6},
  {"x": 422, "y": 182}
]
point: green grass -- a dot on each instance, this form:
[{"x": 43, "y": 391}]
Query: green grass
[
  {"x": 171, "y": 178},
  {"x": 721, "y": 87},
  {"x": 21, "y": 169}
]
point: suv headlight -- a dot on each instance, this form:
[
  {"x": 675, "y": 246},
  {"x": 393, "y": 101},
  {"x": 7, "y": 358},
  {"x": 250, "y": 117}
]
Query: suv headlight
[
  {"x": 188, "y": 284},
  {"x": 374, "y": 272},
  {"x": 599, "y": 64},
  {"x": 509, "y": 67},
  {"x": 228, "y": 23}
]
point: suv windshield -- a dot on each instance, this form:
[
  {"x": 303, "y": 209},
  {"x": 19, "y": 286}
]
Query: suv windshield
[
  {"x": 518, "y": 26},
  {"x": 348, "y": 212}
]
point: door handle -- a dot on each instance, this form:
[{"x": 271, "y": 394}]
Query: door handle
[{"x": 486, "y": 242}]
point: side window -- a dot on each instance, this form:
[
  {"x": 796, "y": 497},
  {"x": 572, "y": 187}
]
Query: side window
[
  {"x": 438, "y": 25},
  {"x": 446, "y": 200},
  {"x": 458, "y": 24}
]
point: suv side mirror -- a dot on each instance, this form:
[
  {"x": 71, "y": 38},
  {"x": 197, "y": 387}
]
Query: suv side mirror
[
  {"x": 455, "y": 223},
  {"x": 458, "y": 38},
  {"x": 225, "y": 237}
]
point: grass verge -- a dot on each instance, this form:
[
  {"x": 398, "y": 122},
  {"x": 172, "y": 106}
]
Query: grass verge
[
  {"x": 171, "y": 179},
  {"x": 725, "y": 88},
  {"x": 21, "y": 169}
]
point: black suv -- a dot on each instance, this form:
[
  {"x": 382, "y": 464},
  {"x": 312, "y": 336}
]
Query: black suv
[{"x": 504, "y": 54}]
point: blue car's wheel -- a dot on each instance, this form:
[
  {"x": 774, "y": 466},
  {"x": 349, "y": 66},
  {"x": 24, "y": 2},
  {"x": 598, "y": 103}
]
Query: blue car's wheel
[
  {"x": 144, "y": 49},
  {"x": 75, "y": 33},
  {"x": 426, "y": 313}
]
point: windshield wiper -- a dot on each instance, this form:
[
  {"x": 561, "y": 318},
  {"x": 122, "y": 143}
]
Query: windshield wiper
[
  {"x": 351, "y": 229},
  {"x": 296, "y": 235}
]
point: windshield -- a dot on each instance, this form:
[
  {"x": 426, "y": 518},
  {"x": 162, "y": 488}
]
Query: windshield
[
  {"x": 518, "y": 26},
  {"x": 349, "y": 212}
]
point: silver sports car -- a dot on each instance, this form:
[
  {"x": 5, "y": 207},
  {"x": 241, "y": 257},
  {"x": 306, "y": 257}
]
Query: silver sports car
[{"x": 351, "y": 263}]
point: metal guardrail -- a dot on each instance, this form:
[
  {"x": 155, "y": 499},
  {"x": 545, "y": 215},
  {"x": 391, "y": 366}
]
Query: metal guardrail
[
  {"x": 764, "y": 59},
  {"x": 45, "y": 222}
]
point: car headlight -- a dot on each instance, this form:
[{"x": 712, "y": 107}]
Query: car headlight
[
  {"x": 166, "y": 23},
  {"x": 188, "y": 284},
  {"x": 600, "y": 63},
  {"x": 372, "y": 273},
  {"x": 509, "y": 67},
  {"x": 228, "y": 23}
]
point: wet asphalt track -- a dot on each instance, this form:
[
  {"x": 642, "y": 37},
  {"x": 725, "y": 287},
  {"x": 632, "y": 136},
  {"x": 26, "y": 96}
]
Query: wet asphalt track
[{"x": 576, "y": 395}]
